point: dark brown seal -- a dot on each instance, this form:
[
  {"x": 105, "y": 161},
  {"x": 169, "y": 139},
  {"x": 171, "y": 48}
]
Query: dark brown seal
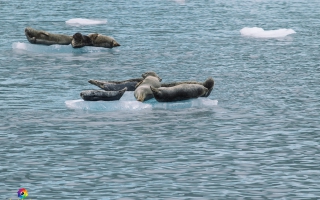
[
  {"x": 178, "y": 92},
  {"x": 79, "y": 40}
]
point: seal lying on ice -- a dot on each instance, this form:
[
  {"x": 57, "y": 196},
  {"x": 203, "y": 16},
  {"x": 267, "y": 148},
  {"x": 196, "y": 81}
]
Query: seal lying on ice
[
  {"x": 130, "y": 84},
  {"x": 79, "y": 40},
  {"x": 99, "y": 40},
  {"x": 102, "y": 95},
  {"x": 117, "y": 85},
  {"x": 143, "y": 91},
  {"x": 42, "y": 37},
  {"x": 179, "y": 92},
  {"x": 209, "y": 83}
]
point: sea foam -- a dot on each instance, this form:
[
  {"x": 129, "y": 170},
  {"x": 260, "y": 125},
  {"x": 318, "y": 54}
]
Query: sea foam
[
  {"x": 128, "y": 102},
  {"x": 260, "y": 33},
  {"x": 56, "y": 48},
  {"x": 84, "y": 22}
]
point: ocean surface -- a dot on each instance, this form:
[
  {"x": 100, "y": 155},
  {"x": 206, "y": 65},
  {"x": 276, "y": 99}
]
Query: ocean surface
[{"x": 255, "y": 137}]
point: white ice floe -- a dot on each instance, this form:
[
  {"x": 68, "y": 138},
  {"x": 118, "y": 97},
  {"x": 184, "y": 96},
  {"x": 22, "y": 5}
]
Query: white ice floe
[
  {"x": 260, "y": 33},
  {"x": 84, "y": 22},
  {"x": 128, "y": 102},
  {"x": 56, "y": 48}
]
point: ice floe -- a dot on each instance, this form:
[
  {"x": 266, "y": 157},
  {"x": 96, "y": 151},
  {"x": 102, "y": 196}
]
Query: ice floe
[
  {"x": 84, "y": 22},
  {"x": 128, "y": 102},
  {"x": 56, "y": 48},
  {"x": 260, "y": 33}
]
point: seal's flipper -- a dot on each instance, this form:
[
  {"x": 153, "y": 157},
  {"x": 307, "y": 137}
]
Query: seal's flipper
[
  {"x": 93, "y": 36},
  {"x": 32, "y": 40},
  {"x": 154, "y": 90},
  {"x": 44, "y": 33},
  {"x": 138, "y": 84},
  {"x": 44, "y": 42},
  {"x": 207, "y": 93}
]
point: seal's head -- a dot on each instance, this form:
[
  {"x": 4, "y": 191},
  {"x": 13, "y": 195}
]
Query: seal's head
[
  {"x": 146, "y": 74},
  {"x": 123, "y": 91},
  {"x": 209, "y": 83},
  {"x": 77, "y": 37},
  {"x": 30, "y": 34},
  {"x": 29, "y": 31}
]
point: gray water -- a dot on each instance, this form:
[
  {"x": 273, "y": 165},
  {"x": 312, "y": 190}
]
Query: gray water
[{"x": 257, "y": 138}]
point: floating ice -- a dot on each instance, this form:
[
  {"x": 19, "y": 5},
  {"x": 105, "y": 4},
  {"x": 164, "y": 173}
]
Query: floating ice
[
  {"x": 128, "y": 102},
  {"x": 84, "y": 22},
  {"x": 260, "y": 33},
  {"x": 56, "y": 48}
]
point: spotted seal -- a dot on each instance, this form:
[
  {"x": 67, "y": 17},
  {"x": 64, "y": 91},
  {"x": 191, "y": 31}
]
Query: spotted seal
[
  {"x": 209, "y": 83},
  {"x": 42, "y": 37},
  {"x": 102, "y": 95},
  {"x": 143, "y": 91},
  {"x": 79, "y": 40},
  {"x": 178, "y": 92},
  {"x": 99, "y": 40},
  {"x": 130, "y": 84}
]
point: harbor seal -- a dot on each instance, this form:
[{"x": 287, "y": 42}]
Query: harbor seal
[
  {"x": 143, "y": 91},
  {"x": 130, "y": 84},
  {"x": 42, "y": 37},
  {"x": 178, "y": 92},
  {"x": 99, "y": 40},
  {"x": 209, "y": 83},
  {"x": 79, "y": 40},
  {"x": 102, "y": 95}
]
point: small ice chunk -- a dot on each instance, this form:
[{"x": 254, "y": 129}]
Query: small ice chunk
[
  {"x": 84, "y": 22},
  {"x": 260, "y": 33}
]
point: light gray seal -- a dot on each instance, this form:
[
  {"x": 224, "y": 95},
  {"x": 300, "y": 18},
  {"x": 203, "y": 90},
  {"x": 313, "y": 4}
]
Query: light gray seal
[
  {"x": 178, "y": 92},
  {"x": 102, "y": 95},
  {"x": 42, "y": 37},
  {"x": 209, "y": 83},
  {"x": 79, "y": 40},
  {"x": 143, "y": 91},
  {"x": 99, "y": 40},
  {"x": 130, "y": 84}
]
